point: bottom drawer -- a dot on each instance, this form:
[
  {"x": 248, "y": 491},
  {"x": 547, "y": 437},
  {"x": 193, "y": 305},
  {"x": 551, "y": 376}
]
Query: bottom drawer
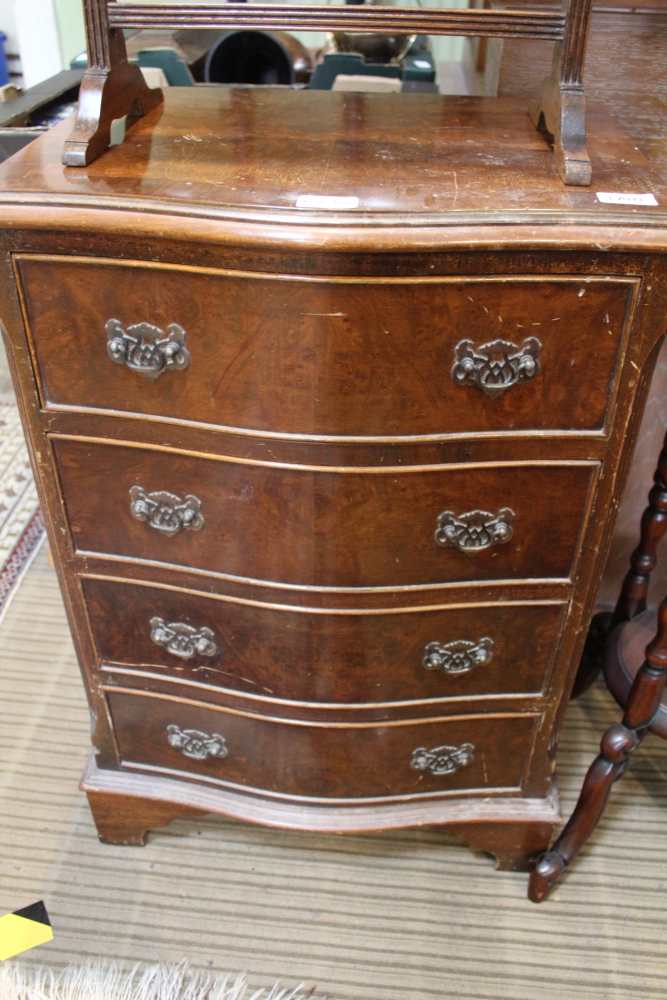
[{"x": 306, "y": 760}]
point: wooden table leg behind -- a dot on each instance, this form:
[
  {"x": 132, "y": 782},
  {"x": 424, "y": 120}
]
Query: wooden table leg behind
[
  {"x": 617, "y": 744},
  {"x": 634, "y": 592},
  {"x": 643, "y": 701}
]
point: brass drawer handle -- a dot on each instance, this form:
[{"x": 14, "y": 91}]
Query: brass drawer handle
[
  {"x": 496, "y": 366},
  {"x": 146, "y": 349},
  {"x": 166, "y": 512},
  {"x": 457, "y": 657},
  {"x": 183, "y": 640},
  {"x": 475, "y": 530},
  {"x": 195, "y": 744},
  {"x": 444, "y": 759}
]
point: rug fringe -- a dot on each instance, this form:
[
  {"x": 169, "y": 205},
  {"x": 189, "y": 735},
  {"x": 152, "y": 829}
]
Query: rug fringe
[{"x": 113, "y": 981}]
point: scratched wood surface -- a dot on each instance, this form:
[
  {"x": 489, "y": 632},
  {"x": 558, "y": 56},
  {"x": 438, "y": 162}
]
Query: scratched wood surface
[
  {"x": 625, "y": 75},
  {"x": 624, "y": 71},
  {"x": 415, "y": 157},
  {"x": 214, "y": 180}
]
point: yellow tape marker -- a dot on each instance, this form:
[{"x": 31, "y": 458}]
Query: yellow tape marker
[{"x": 23, "y": 930}]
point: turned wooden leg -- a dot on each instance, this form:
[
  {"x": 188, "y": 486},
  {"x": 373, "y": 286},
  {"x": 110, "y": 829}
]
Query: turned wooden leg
[
  {"x": 124, "y": 819},
  {"x": 634, "y": 592},
  {"x": 617, "y": 744},
  {"x": 561, "y": 110},
  {"x": 111, "y": 88}
]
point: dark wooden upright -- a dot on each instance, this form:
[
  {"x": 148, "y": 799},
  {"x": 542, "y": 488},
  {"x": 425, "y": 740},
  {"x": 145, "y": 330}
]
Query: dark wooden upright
[
  {"x": 634, "y": 592},
  {"x": 113, "y": 87},
  {"x": 618, "y": 743},
  {"x": 561, "y": 109},
  {"x": 642, "y": 703}
]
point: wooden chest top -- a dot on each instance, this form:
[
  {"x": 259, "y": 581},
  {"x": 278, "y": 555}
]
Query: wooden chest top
[{"x": 340, "y": 171}]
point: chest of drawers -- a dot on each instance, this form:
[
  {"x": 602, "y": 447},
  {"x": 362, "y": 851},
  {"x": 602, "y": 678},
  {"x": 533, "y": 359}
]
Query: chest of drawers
[{"x": 329, "y": 490}]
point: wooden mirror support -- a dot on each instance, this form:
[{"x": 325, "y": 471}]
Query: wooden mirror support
[{"x": 114, "y": 88}]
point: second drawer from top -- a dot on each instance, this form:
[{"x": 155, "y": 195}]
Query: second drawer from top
[{"x": 321, "y": 528}]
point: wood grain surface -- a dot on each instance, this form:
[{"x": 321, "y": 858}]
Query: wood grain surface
[
  {"x": 321, "y": 528},
  {"x": 415, "y": 164},
  {"x": 324, "y": 658},
  {"x": 313, "y": 764},
  {"x": 624, "y": 70},
  {"x": 258, "y": 361},
  {"x": 294, "y": 514}
]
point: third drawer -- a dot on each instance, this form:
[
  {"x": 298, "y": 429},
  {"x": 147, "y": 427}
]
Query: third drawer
[{"x": 324, "y": 657}]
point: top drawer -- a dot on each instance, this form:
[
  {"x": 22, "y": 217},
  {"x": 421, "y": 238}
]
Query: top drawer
[{"x": 338, "y": 357}]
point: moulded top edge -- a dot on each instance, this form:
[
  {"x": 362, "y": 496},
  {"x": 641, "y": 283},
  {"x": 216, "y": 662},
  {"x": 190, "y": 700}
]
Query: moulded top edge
[{"x": 381, "y": 233}]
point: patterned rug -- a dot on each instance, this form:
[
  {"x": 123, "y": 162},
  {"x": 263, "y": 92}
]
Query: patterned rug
[{"x": 21, "y": 527}]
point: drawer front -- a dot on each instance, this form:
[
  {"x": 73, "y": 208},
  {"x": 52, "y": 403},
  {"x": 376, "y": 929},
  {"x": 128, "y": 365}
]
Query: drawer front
[
  {"x": 345, "y": 762},
  {"x": 324, "y": 658},
  {"x": 309, "y": 527},
  {"x": 379, "y": 358}
]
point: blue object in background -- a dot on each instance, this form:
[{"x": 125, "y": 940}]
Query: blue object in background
[{"x": 4, "y": 73}]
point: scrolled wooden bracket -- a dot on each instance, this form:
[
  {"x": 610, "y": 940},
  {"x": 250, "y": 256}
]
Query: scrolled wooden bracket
[
  {"x": 111, "y": 88},
  {"x": 127, "y": 820}
]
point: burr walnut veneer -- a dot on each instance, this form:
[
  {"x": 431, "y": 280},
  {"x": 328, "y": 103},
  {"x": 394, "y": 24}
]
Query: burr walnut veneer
[{"x": 328, "y": 443}]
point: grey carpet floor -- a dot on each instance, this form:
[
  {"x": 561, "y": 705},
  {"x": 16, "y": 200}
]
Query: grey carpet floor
[{"x": 383, "y": 917}]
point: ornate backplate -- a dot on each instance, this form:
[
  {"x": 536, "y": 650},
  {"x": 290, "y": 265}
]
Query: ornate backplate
[
  {"x": 166, "y": 512},
  {"x": 146, "y": 349},
  {"x": 444, "y": 759},
  {"x": 195, "y": 744},
  {"x": 183, "y": 640},
  {"x": 459, "y": 656},
  {"x": 475, "y": 530},
  {"x": 496, "y": 366}
]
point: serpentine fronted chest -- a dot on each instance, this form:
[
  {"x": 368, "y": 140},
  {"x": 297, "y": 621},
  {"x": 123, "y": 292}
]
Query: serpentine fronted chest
[{"x": 329, "y": 398}]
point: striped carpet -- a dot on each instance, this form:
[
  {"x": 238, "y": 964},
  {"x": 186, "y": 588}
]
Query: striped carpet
[{"x": 384, "y": 917}]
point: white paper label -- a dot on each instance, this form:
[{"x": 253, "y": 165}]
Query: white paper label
[
  {"x": 328, "y": 202},
  {"x": 618, "y": 198}
]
